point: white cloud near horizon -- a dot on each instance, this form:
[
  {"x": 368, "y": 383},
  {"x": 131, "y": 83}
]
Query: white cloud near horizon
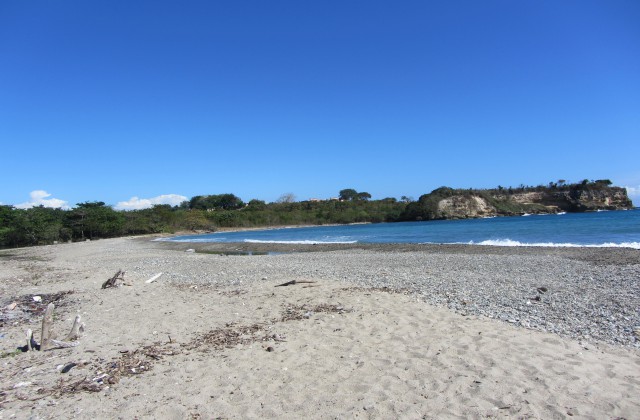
[
  {"x": 634, "y": 194},
  {"x": 136, "y": 203},
  {"x": 40, "y": 198}
]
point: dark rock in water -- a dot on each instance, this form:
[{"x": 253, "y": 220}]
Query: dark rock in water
[{"x": 542, "y": 290}]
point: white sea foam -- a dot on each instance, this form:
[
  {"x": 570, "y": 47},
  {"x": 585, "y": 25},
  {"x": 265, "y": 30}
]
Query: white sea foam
[
  {"x": 509, "y": 242},
  {"x": 203, "y": 240},
  {"x": 305, "y": 242}
]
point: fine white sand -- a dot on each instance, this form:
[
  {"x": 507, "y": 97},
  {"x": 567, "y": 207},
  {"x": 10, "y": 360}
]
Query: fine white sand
[{"x": 231, "y": 348}]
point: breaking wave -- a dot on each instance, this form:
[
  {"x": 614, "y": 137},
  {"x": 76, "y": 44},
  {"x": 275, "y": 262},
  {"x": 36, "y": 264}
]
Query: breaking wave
[{"x": 509, "y": 242}]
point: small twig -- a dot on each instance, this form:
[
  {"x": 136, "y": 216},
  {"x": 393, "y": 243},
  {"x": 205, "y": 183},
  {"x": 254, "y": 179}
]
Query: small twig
[{"x": 292, "y": 282}]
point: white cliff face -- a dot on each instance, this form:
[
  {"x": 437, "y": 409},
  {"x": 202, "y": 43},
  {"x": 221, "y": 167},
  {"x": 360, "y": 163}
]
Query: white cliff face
[
  {"x": 528, "y": 198},
  {"x": 613, "y": 198},
  {"x": 465, "y": 207}
]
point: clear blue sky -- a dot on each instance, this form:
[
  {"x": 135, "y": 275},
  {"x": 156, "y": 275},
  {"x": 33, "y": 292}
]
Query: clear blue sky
[{"x": 109, "y": 100}]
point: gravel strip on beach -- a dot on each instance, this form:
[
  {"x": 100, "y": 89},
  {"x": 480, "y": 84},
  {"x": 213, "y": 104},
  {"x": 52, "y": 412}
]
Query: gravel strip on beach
[{"x": 588, "y": 294}]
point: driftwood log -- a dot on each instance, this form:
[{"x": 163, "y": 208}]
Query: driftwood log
[
  {"x": 47, "y": 338},
  {"x": 114, "y": 281}
]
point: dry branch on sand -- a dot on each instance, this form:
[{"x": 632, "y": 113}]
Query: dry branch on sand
[
  {"x": 294, "y": 282},
  {"x": 141, "y": 360},
  {"x": 116, "y": 281}
]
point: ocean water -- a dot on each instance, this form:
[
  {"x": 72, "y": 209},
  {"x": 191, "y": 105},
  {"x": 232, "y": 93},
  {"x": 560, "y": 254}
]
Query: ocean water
[{"x": 605, "y": 228}]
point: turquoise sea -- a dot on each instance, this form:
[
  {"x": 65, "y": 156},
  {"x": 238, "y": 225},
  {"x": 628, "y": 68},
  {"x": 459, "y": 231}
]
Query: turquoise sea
[{"x": 604, "y": 228}]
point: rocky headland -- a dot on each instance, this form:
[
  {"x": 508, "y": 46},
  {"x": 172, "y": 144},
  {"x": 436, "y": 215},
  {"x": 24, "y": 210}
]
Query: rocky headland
[{"x": 448, "y": 203}]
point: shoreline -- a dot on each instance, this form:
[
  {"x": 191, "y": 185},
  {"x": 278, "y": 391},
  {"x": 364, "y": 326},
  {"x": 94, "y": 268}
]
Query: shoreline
[
  {"x": 248, "y": 229},
  {"x": 600, "y": 255}
]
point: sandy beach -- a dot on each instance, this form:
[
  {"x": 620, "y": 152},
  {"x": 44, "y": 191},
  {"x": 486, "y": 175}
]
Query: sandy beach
[{"x": 379, "y": 331}]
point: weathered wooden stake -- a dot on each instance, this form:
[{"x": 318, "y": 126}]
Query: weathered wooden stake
[
  {"x": 47, "y": 341},
  {"x": 76, "y": 330},
  {"x": 47, "y": 321},
  {"x": 29, "y": 339}
]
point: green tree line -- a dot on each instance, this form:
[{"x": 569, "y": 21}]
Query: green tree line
[{"x": 93, "y": 220}]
